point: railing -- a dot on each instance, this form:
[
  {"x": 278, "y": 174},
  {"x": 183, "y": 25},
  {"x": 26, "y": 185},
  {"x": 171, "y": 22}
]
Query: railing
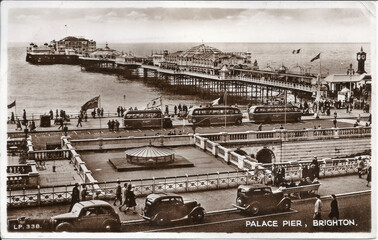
[
  {"x": 22, "y": 176},
  {"x": 290, "y": 135},
  {"x": 42, "y": 155},
  {"x": 143, "y": 187}
]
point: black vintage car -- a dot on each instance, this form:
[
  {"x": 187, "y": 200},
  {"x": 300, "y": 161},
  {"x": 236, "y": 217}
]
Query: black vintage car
[
  {"x": 163, "y": 208},
  {"x": 257, "y": 198},
  {"x": 88, "y": 216}
]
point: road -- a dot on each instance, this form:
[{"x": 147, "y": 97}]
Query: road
[
  {"x": 300, "y": 219},
  {"x": 40, "y": 138}
]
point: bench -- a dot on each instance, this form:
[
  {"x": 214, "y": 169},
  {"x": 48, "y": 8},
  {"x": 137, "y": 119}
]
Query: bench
[{"x": 302, "y": 191}]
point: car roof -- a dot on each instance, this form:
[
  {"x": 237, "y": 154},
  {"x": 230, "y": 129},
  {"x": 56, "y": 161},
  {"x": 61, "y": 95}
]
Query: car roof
[
  {"x": 93, "y": 203},
  {"x": 155, "y": 196}
]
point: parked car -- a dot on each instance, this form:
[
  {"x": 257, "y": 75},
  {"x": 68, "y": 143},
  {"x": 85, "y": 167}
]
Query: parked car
[
  {"x": 88, "y": 216},
  {"x": 161, "y": 208},
  {"x": 257, "y": 198}
]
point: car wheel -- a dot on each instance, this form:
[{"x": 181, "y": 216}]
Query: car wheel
[
  {"x": 285, "y": 205},
  {"x": 197, "y": 216},
  {"x": 254, "y": 208},
  {"x": 65, "y": 227},
  {"x": 111, "y": 226},
  {"x": 161, "y": 219},
  {"x": 238, "y": 121}
]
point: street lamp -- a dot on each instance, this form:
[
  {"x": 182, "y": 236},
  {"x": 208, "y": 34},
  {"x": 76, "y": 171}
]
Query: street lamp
[{"x": 350, "y": 72}]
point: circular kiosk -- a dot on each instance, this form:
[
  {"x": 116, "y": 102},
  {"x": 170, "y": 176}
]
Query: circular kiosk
[{"x": 150, "y": 155}]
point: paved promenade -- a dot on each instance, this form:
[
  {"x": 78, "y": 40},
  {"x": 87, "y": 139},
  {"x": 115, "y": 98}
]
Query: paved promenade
[
  {"x": 210, "y": 200},
  {"x": 98, "y": 123}
]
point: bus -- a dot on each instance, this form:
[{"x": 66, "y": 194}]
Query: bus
[
  {"x": 206, "y": 116},
  {"x": 271, "y": 113},
  {"x": 136, "y": 119}
]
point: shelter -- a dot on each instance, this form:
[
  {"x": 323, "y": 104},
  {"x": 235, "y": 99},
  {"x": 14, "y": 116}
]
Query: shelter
[{"x": 150, "y": 155}]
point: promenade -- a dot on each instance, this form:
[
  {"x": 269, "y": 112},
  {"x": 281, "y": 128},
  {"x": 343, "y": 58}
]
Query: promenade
[{"x": 214, "y": 200}]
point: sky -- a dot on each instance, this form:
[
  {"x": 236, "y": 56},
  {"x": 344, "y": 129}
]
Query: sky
[{"x": 198, "y": 22}]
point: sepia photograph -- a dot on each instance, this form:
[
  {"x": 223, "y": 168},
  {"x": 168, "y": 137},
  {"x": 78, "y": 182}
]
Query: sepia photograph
[{"x": 188, "y": 119}]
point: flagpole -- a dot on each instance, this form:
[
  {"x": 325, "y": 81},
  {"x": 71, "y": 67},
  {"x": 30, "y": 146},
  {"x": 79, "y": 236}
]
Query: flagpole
[
  {"x": 162, "y": 117},
  {"x": 225, "y": 110},
  {"x": 15, "y": 107}
]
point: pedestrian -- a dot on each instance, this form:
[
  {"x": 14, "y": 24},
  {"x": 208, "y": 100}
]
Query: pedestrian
[
  {"x": 85, "y": 116},
  {"x": 118, "y": 113},
  {"x": 117, "y": 125},
  {"x": 84, "y": 192},
  {"x": 102, "y": 112},
  {"x": 124, "y": 189},
  {"x": 360, "y": 166},
  {"x": 18, "y": 124},
  {"x": 98, "y": 112},
  {"x": 118, "y": 193},
  {"x": 33, "y": 125},
  {"x": 79, "y": 120},
  {"x": 109, "y": 125},
  {"x": 175, "y": 109},
  {"x": 316, "y": 168},
  {"x": 130, "y": 199},
  {"x": 24, "y": 116},
  {"x": 12, "y": 118},
  {"x": 112, "y": 125},
  {"x": 75, "y": 196},
  {"x": 368, "y": 178},
  {"x": 318, "y": 208},
  {"x": 51, "y": 114},
  {"x": 122, "y": 110},
  {"x": 334, "y": 208},
  {"x": 60, "y": 124},
  {"x": 56, "y": 113},
  {"x": 335, "y": 123}
]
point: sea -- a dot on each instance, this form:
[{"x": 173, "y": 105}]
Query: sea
[{"x": 39, "y": 88}]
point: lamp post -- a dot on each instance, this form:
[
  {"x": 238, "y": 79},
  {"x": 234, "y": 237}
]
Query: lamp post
[{"x": 350, "y": 72}]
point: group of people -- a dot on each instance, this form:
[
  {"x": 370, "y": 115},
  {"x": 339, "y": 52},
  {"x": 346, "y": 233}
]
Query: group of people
[
  {"x": 30, "y": 125},
  {"x": 126, "y": 193},
  {"x": 97, "y": 111},
  {"x": 334, "y": 213},
  {"x": 174, "y": 132},
  {"x": 113, "y": 125}
]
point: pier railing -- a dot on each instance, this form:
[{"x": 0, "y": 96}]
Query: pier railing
[{"x": 288, "y": 135}]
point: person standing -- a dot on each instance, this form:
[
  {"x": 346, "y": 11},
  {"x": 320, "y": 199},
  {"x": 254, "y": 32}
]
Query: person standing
[
  {"x": 75, "y": 196},
  {"x": 318, "y": 208},
  {"x": 335, "y": 123},
  {"x": 18, "y": 124},
  {"x": 84, "y": 193},
  {"x": 360, "y": 166},
  {"x": 51, "y": 114},
  {"x": 118, "y": 193},
  {"x": 334, "y": 208},
  {"x": 117, "y": 125},
  {"x": 368, "y": 178},
  {"x": 79, "y": 120},
  {"x": 124, "y": 189},
  {"x": 12, "y": 118},
  {"x": 25, "y": 121},
  {"x": 130, "y": 199}
]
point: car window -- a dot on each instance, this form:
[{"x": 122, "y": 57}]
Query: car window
[
  {"x": 88, "y": 212},
  {"x": 104, "y": 210},
  {"x": 76, "y": 209},
  {"x": 165, "y": 202}
]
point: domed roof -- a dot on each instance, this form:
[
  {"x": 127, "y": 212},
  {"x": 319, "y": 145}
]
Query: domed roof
[
  {"x": 149, "y": 152},
  {"x": 200, "y": 49}
]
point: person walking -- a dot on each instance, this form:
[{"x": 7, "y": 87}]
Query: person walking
[
  {"x": 79, "y": 120},
  {"x": 368, "y": 178},
  {"x": 118, "y": 193},
  {"x": 334, "y": 208},
  {"x": 130, "y": 199},
  {"x": 124, "y": 189},
  {"x": 75, "y": 196},
  {"x": 335, "y": 123},
  {"x": 61, "y": 124},
  {"x": 318, "y": 208}
]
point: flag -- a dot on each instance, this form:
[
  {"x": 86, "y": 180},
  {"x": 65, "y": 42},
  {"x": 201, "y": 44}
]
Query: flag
[
  {"x": 154, "y": 103},
  {"x": 216, "y": 101},
  {"x": 317, "y": 57},
  {"x": 93, "y": 103},
  {"x": 296, "y": 51},
  {"x": 12, "y": 104}
]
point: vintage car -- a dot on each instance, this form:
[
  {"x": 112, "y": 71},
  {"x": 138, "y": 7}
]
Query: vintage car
[
  {"x": 257, "y": 198},
  {"x": 161, "y": 208},
  {"x": 88, "y": 216}
]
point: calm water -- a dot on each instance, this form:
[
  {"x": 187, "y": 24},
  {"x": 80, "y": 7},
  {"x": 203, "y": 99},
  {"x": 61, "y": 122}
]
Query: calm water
[{"x": 41, "y": 88}]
